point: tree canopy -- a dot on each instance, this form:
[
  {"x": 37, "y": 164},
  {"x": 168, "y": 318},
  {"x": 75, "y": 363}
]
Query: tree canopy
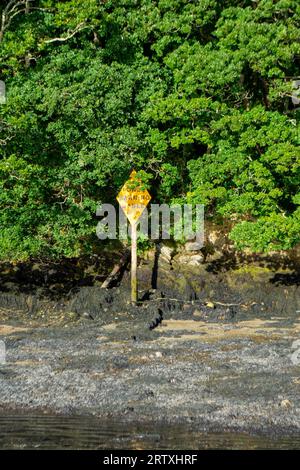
[{"x": 198, "y": 94}]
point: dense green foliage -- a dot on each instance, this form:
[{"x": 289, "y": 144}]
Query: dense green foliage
[{"x": 195, "y": 92}]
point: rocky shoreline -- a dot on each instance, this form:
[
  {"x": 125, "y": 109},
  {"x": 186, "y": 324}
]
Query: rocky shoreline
[{"x": 214, "y": 348}]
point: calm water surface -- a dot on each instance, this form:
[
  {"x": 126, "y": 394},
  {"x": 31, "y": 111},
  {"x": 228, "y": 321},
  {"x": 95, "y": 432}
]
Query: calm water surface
[{"x": 77, "y": 432}]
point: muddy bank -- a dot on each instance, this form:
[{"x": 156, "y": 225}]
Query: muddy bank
[
  {"x": 215, "y": 348},
  {"x": 237, "y": 376},
  {"x": 253, "y": 285}
]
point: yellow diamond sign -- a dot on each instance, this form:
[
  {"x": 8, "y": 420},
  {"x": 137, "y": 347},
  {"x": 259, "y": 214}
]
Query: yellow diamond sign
[{"x": 133, "y": 199}]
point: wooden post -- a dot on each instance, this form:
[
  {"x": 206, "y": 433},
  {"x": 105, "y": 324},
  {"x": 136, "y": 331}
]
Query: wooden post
[
  {"x": 133, "y": 263},
  {"x": 117, "y": 268}
]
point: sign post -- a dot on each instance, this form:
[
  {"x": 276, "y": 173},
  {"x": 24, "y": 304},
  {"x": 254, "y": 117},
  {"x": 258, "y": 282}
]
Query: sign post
[
  {"x": 134, "y": 296},
  {"x": 133, "y": 199}
]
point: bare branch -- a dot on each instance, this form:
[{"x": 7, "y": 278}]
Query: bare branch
[
  {"x": 11, "y": 4},
  {"x": 6, "y": 140},
  {"x": 6, "y": 26},
  {"x": 80, "y": 27},
  {"x": 6, "y": 130},
  {"x": 12, "y": 9}
]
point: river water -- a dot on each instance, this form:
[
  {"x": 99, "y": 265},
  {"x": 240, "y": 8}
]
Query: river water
[{"x": 82, "y": 432}]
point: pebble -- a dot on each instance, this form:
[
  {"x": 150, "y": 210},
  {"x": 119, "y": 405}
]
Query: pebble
[
  {"x": 285, "y": 404},
  {"x": 87, "y": 315},
  {"x": 197, "y": 313}
]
